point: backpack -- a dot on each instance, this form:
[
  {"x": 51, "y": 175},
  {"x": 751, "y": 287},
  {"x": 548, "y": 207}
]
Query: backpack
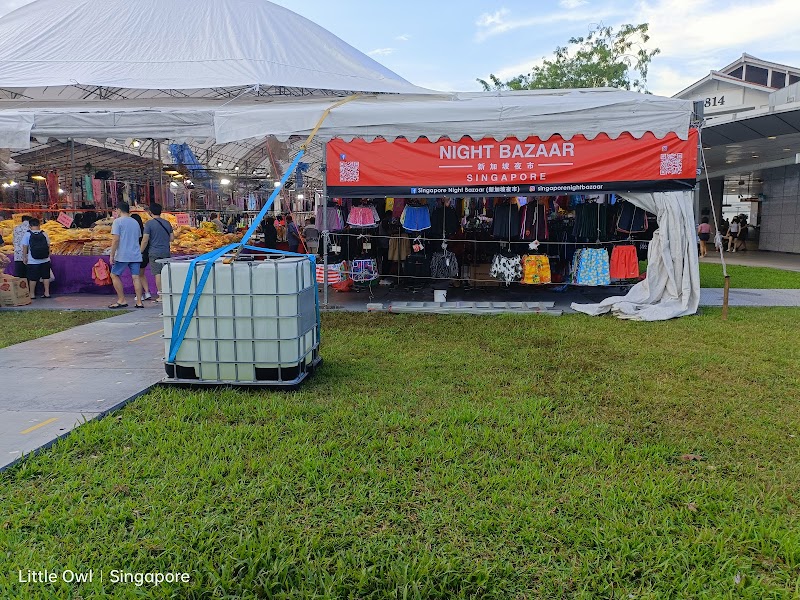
[{"x": 38, "y": 245}]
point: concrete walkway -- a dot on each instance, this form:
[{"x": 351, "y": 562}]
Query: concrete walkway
[
  {"x": 756, "y": 258},
  {"x": 53, "y": 384}
]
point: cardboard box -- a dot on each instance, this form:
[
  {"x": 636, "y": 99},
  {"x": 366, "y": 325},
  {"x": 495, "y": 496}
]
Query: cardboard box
[
  {"x": 479, "y": 276},
  {"x": 14, "y": 291}
]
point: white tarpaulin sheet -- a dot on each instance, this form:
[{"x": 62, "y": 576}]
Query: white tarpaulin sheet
[
  {"x": 491, "y": 114},
  {"x": 542, "y": 113},
  {"x": 672, "y": 286}
]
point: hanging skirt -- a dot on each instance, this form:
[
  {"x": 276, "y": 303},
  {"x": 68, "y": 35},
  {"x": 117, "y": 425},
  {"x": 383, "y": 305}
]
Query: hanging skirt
[
  {"x": 364, "y": 269},
  {"x": 335, "y": 222},
  {"x": 624, "y": 263},
  {"x": 361, "y": 216},
  {"x": 399, "y": 248},
  {"x": 415, "y": 218},
  {"x": 535, "y": 269},
  {"x": 593, "y": 267}
]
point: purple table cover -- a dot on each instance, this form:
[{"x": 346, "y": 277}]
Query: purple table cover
[{"x": 74, "y": 276}]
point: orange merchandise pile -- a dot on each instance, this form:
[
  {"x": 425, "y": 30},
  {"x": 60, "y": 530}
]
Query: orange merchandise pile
[{"x": 97, "y": 240}]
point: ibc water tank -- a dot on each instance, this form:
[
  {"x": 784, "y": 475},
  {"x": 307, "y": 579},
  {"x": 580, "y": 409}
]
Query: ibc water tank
[{"x": 255, "y": 323}]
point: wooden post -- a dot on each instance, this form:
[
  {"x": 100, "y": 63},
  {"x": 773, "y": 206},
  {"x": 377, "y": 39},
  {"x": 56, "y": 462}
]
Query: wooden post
[{"x": 725, "y": 291}]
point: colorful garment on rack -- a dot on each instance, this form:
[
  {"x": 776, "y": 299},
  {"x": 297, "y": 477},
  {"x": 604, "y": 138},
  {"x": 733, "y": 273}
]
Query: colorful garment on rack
[
  {"x": 336, "y": 272},
  {"x": 535, "y": 269},
  {"x": 444, "y": 265},
  {"x": 335, "y": 221},
  {"x": 506, "y": 268},
  {"x": 415, "y": 218},
  {"x": 399, "y": 248},
  {"x": 364, "y": 270},
  {"x": 624, "y": 262},
  {"x": 592, "y": 267},
  {"x": 362, "y": 216}
]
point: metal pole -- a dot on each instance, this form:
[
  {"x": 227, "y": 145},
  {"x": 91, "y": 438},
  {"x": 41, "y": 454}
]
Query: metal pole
[
  {"x": 325, "y": 224},
  {"x": 725, "y": 292},
  {"x": 72, "y": 171}
]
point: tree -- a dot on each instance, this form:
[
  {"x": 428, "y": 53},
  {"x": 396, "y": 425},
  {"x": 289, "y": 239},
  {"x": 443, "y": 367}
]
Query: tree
[{"x": 604, "y": 58}]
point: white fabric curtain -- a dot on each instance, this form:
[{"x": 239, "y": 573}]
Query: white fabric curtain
[{"x": 672, "y": 286}]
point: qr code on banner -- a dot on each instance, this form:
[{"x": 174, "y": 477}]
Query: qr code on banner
[
  {"x": 348, "y": 171},
  {"x": 672, "y": 164}
]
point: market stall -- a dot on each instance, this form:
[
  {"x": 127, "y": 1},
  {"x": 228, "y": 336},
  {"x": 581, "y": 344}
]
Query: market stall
[{"x": 142, "y": 104}]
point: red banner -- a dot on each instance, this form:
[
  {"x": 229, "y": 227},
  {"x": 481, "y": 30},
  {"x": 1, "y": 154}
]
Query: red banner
[{"x": 511, "y": 167}]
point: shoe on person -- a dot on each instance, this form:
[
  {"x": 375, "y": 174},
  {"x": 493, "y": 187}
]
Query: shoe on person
[
  {"x": 147, "y": 296},
  {"x": 158, "y": 299}
]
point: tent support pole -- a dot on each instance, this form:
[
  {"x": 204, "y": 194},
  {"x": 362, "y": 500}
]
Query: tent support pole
[
  {"x": 325, "y": 224},
  {"x": 725, "y": 292},
  {"x": 72, "y": 170}
]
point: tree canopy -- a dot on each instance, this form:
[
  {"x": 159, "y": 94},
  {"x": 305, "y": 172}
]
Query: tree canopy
[{"x": 603, "y": 58}]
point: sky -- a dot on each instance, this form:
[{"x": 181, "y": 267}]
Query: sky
[{"x": 448, "y": 44}]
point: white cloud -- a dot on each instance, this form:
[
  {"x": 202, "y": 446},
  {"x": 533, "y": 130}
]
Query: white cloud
[
  {"x": 496, "y": 18},
  {"x": 403, "y": 38},
  {"x": 381, "y": 52},
  {"x": 572, "y": 4},
  {"x": 696, "y": 36},
  {"x": 497, "y": 23}
]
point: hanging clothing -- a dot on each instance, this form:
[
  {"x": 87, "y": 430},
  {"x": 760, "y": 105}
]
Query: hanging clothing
[
  {"x": 506, "y": 222},
  {"x": 632, "y": 219},
  {"x": 444, "y": 265},
  {"x": 87, "y": 189},
  {"x": 364, "y": 270},
  {"x": 624, "y": 262},
  {"x": 444, "y": 222},
  {"x": 415, "y": 218},
  {"x": 399, "y": 248},
  {"x": 52, "y": 186},
  {"x": 592, "y": 267},
  {"x": 506, "y": 268},
  {"x": 535, "y": 269},
  {"x": 335, "y": 220},
  {"x": 362, "y": 216},
  {"x": 97, "y": 190},
  {"x": 533, "y": 222}
]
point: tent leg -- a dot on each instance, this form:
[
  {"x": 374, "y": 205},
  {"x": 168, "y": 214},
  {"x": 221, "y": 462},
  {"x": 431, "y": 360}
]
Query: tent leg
[{"x": 725, "y": 293}]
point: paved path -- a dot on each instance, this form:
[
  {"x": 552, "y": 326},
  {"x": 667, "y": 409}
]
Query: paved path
[
  {"x": 737, "y": 297},
  {"x": 53, "y": 384},
  {"x": 757, "y": 258}
]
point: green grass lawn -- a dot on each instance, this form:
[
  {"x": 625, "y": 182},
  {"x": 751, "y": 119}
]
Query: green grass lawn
[
  {"x": 748, "y": 277},
  {"x": 445, "y": 457},
  {"x": 23, "y": 325}
]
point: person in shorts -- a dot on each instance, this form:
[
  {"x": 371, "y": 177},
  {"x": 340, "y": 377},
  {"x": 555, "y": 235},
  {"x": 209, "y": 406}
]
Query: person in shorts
[
  {"x": 157, "y": 237},
  {"x": 125, "y": 255},
  {"x": 18, "y": 235},
  {"x": 36, "y": 255},
  {"x": 704, "y": 234}
]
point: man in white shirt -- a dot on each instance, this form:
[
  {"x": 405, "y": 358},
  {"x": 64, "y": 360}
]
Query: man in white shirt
[
  {"x": 125, "y": 254},
  {"x": 19, "y": 233}
]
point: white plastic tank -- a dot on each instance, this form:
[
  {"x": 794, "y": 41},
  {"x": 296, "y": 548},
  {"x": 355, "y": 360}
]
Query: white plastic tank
[{"x": 255, "y": 323}]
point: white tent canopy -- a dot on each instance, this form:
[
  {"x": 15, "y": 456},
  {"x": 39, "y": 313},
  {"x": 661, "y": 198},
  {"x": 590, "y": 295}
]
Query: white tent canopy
[{"x": 119, "y": 49}]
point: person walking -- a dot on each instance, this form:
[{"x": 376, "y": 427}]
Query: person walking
[
  {"x": 158, "y": 235},
  {"x": 145, "y": 260},
  {"x": 17, "y": 237},
  {"x": 270, "y": 233},
  {"x": 292, "y": 234},
  {"x": 125, "y": 255},
  {"x": 733, "y": 233},
  {"x": 704, "y": 233},
  {"x": 311, "y": 236},
  {"x": 36, "y": 255}
]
